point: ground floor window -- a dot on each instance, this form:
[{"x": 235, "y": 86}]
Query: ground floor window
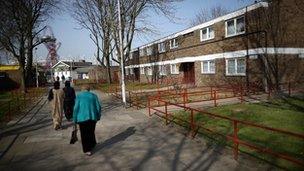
[
  {"x": 208, "y": 67},
  {"x": 142, "y": 70},
  {"x": 236, "y": 66},
  {"x": 174, "y": 69},
  {"x": 131, "y": 71},
  {"x": 127, "y": 71},
  {"x": 149, "y": 70},
  {"x": 162, "y": 70}
]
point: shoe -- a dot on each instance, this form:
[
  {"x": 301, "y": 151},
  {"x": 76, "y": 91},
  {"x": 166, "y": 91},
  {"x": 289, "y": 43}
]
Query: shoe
[
  {"x": 57, "y": 127},
  {"x": 88, "y": 153}
]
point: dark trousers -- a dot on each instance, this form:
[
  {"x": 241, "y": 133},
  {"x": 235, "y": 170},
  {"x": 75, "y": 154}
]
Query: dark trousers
[
  {"x": 87, "y": 132},
  {"x": 68, "y": 106}
]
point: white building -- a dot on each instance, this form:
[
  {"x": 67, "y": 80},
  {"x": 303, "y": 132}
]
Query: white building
[{"x": 72, "y": 70}]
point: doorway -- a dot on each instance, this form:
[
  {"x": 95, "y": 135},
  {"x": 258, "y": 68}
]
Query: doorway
[{"x": 189, "y": 72}]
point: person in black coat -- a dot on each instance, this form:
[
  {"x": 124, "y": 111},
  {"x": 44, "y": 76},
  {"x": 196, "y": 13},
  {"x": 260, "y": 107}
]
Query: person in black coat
[{"x": 69, "y": 100}]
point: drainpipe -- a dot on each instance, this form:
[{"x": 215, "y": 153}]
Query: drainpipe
[{"x": 247, "y": 53}]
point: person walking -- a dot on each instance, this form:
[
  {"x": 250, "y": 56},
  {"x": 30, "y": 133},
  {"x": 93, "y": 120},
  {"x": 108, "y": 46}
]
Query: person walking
[
  {"x": 56, "y": 96},
  {"x": 69, "y": 100},
  {"x": 87, "y": 111}
]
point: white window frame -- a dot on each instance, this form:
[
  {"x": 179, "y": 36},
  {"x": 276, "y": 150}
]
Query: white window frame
[
  {"x": 142, "y": 70},
  {"x": 235, "y": 27},
  {"x": 208, "y": 67},
  {"x": 161, "y": 47},
  {"x": 174, "y": 71},
  {"x": 173, "y": 43},
  {"x": 209, "y": 37},
  {"x": 149, "y": 50},
  {"x": 162, "y": 69},
  {"x": 131, "y": 55},
  {"x": 131, "y": 71},
  {"x": 142, "y": 52},
  {"x": 235, "y": 67},
  {"x": 149, "y": 70}
]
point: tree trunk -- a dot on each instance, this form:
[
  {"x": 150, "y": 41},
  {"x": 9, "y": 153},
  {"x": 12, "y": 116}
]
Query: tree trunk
[{"x": 29, "y": 61}]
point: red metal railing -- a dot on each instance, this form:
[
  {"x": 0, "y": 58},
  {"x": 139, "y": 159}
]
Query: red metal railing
[
  {"x": 18, "y": 100},
  {"x": 235, "y": 123}
]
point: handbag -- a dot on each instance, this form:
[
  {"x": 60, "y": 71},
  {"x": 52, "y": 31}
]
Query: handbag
[{"x": 74, "y": 135}]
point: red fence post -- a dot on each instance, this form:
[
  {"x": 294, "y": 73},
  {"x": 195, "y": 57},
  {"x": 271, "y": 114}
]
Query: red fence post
[
  {"x": 211, "y": 93},
  {"x": 184, "y": 97},
  {"x": 235, "y": 140},
  {"x": 242, "y": 95},
  {"x": 214, "y": 98},
  {"x": 289, "y": 89},
  {"x": 166, "y": 112},
  {"x": 192, "y": 123},
  {"x": 149, "y": 106}
]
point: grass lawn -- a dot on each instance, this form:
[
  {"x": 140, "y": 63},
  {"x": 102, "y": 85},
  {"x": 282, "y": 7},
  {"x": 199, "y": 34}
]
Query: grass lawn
[{"x": 286, "y": 114}]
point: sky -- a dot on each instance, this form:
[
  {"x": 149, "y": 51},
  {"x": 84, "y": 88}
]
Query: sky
[{"x": 76, "y": 43}]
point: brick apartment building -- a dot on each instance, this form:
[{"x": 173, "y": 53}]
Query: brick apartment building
[{"x": 263, "y": 42}]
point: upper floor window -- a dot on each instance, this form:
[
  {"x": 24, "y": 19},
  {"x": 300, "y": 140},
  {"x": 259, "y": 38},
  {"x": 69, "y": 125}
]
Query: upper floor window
[
  {"x": 174, "y": 69},
  {"x": 142, "y": 70},
  {"x": 207, "y": 33},
  {"x": 208, "y": 67},
  {"x": 173, "y": 43},
  {"x": 236, "y": 66},
  {"x": 149, "y": 50},
  {"x": 131, "y": 55},
  {"x": 162, "y": 70},
  {"x": 142, "y": 52},
  {"x": 235, "y": 26},
  {"x": 149, "y": 70},
  {"x": 161, "y": 47},
  {"x": 131, "y": 71}
]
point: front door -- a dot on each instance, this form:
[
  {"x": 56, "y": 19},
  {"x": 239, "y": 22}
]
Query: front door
[{"x": 189, "y": 73}]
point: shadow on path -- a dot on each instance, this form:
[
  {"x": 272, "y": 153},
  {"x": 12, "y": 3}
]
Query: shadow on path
[{"x": 116, "y": 139}]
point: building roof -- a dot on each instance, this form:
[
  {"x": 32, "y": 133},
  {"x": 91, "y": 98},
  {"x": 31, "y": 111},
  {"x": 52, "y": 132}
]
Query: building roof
[
  {"x": 74, "y": 64},
  {"x": 207, "y": 24}
]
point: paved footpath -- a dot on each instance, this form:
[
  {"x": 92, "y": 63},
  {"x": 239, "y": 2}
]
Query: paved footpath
[{"x": 127, "y": 140}]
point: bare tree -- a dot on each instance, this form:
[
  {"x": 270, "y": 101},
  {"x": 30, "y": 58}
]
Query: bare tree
[
  {"x": 206, "y": 14},
  {"x": 93, "y": 15},
  {"x": 132, "y": 12},
  {"x": 19, "y": 26},
  {"x": 271, "y": 26}
]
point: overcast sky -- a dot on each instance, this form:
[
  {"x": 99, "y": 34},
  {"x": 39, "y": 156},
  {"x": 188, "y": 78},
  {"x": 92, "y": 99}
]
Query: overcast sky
[{"x": 75, "y": 43}]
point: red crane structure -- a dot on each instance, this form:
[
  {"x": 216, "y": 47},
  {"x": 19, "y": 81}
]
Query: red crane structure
[{"x": 52, "y": 46}]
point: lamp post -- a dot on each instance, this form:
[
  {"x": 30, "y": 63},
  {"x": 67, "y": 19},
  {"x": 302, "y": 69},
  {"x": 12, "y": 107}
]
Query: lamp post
[
  {"x": 37, "y": 74},
  {"x": 123, "y": 86}
]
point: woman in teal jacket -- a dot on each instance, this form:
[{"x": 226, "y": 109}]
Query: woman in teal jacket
[{"x": 87, "y": 112}]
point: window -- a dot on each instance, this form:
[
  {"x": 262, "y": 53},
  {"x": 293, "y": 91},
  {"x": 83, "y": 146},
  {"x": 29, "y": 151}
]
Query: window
[
  {"x": 162, "y": 70},
  {"x": 142, "y": 52},
  {"x": 208, "y": 67},
  {"x": 149, "y": 50},
  {"x": 149, "y": 70},
  {"x": 127, "y": 71},
  {"x": 235, "y": 26},
  {"x": 131, "y": 55},
  {"x": 173, "y": 43},
  {"x": 174, "y": 69},
  {"x": 161, "y": 47},
  {"x": 142, "y": 70},
  {"x": 236, "y": 66},
  {"x": 301, "y": 55},
  {"x": 207, "y": 33},
  {"x": 131, "y": 71}
]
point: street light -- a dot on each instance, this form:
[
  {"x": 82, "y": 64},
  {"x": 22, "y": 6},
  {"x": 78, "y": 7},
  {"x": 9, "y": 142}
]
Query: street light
[
  {"x": 123, "y": 86},
  {"x": 37, "y": 74}
]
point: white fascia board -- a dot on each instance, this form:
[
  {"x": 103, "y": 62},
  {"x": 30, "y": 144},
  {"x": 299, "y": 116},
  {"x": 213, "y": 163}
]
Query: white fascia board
[
  {"x": 234, "y": 54},
  {"x": 209, "y": 23}
]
